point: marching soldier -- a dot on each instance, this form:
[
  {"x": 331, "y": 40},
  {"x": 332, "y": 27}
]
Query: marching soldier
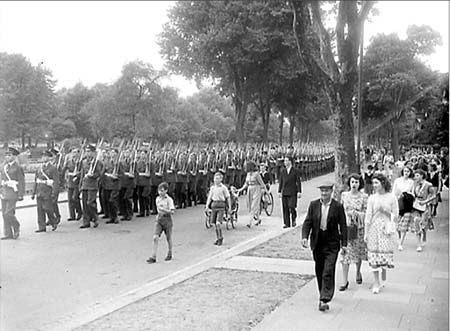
[
  {"x": 171, "y": 175},
  {"x": 12, "y": 188},
  {"x": 111, "y": 185},
  {"x": 192, "y": 169},
  {"x": 91, "y": 170},
  {"x": 201, "y": 177},
  {"x": 46, "y": 189},
  {"x": 181, "y": 185},
  {"x": 127, "y": 185},
  {"x": 72, "y": 170},
  {"x": 143, "y": 183},
  {"x": 156, "y": 178}
]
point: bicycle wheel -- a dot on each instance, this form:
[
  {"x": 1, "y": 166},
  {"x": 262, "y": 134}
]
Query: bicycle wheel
[
  {"x": 268, "y": 206},
  {"x": 229, "y": 223}
]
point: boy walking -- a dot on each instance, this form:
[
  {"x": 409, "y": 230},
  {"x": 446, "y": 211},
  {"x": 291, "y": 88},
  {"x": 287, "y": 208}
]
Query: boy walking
[
  {"x": 164, "y": 223},
  {"x": 218, "y": 200}
]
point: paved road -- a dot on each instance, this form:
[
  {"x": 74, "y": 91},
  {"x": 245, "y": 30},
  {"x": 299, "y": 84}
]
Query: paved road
[{"x": 47, "y": 276}]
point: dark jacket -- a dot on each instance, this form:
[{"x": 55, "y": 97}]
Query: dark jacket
[
  {"x": 290, "y": 183},
  {"x": 336, "y": 233},
  {"x": 15, "y": 173},
  {"x": 46, "y": 182}
]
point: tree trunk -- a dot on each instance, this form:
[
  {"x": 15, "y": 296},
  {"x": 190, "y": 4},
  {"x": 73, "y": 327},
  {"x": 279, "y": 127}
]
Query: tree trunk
[
  {"x": 240, "y": 113},
  {"x": 291, "y": 129},
  {"x": 23, "y": 139},
  {"x": 29, "y": 141},
  {"x": 281, "y": 127},
  {"x": 395, "y": 139}
]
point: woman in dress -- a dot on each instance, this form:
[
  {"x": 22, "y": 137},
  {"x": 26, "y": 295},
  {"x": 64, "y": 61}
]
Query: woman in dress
[
  {"x": 255, "y": 186},
  {"x": 355, "y": 203},
  {"x": 382, "y": 208},
  {"x": 403, "y": 191},
  {"x": 436, "y": 182},
  {"x": 424, "y": 194}
]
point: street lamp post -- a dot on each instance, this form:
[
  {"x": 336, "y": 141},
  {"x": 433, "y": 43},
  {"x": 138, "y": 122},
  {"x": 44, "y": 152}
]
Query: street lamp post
[{"x": 360, "y": 76}]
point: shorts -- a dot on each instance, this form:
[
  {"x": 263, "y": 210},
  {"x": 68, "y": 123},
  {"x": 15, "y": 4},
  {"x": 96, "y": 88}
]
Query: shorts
[
  {"x": 164, "y": 224},
  {"x": 217, "y": 211}
]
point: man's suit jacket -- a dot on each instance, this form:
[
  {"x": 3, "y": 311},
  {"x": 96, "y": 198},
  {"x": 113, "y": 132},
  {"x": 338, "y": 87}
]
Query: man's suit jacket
[
  {"x": 290, "y": 183},
  {"x": 336, "y": 234}
]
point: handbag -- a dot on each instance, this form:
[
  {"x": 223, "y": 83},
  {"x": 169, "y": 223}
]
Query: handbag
[
  {"x": 418, "y": 206},
  {"x": 352, "y": 232}
]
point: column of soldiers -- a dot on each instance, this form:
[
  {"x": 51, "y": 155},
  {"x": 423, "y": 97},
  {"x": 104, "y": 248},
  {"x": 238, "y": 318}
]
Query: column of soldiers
[{"x": 125, "y": 176}]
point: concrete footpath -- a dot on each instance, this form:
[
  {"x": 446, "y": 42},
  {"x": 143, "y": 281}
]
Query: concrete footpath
[{"x": 415, "y": 296}]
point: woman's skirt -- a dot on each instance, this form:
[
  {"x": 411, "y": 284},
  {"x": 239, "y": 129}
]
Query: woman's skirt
[
  {"x": 380, "y": 246},
  {"x": 406, "y": 223},
  {"x": 254, "y": 200}
]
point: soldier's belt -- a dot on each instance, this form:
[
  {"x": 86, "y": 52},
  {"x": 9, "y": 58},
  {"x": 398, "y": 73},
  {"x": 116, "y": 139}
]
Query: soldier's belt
[
  {"x": 11, "y": 183},
  {"x": 48, "y": 182}
]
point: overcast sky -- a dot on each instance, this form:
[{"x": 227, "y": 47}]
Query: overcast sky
[{"x": 90, "y": 41}]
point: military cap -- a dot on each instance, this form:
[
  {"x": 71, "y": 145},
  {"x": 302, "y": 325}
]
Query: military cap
[
  {"x": 12, "y": 151},
  {"x": 47, "y": 152},
  {"x": 54, "y": 151},
  {"x": 326, "y": 184},
  {"x": 90, "y": 148}
]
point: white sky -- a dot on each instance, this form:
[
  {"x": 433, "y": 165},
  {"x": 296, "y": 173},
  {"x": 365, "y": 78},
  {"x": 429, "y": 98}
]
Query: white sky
[{"x": 90, "y": 41}]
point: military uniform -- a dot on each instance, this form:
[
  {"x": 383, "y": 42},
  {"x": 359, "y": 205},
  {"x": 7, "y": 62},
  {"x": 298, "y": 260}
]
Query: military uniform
[
  {"x": 111, "y": 187},
  {"x": 46, "y": 191},
  {"x": 12, "y": 188},
  {"x": 72, "y": 171},
  {"x": 143, "y": 185},
  {"x": 127, "y": 184}
]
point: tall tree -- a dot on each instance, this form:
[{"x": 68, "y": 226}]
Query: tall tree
[{"x": 27, "y": 97}]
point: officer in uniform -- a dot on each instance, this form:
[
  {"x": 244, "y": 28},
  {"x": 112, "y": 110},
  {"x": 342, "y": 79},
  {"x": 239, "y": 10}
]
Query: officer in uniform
[
  {"x": 72, "y": 170},
  {"x": 156, "y": 178},
  {"x": 12, "y": 188},
  {"x": 192, "y": 173},
  {"x": 91, "y": 170},
  {"x": 46, "y": 189}
]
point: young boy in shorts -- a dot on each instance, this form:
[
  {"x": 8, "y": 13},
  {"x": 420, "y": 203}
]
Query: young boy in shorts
[
  {"x": 165, "y": 207},
  {"x": 218, "y": 200}
]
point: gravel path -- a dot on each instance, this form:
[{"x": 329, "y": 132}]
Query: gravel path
[{"x": 212, "y": 300}]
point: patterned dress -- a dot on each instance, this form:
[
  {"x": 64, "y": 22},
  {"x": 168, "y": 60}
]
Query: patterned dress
[
  {"x": 356, "y": 248},
  {"x": 422, "y": 218},
  {"x": 380, "y": 245}
]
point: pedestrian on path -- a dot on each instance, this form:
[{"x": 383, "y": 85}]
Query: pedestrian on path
[
  {"x": 325, "y": 225},
  {"x": 255, "y": 186},
  {"x": 164, "y": 222},
  {"x": 382, "y": 210},
  {"x": 218, "y": 200},
  {"x": 355, "y": 204},
  {"x": 289, "y": 189}
]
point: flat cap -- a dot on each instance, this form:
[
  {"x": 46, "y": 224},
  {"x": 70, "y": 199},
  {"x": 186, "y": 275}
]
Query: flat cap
[{"x": 326, "y": 184}]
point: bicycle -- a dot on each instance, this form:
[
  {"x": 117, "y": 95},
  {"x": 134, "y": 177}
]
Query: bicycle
[{"x": 267, "y": 203}]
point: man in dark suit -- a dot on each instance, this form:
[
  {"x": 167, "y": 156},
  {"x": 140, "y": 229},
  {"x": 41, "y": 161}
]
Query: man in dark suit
[
  {"x": 12, "y": 188},
  {"x": 290, "y": 189},
  {"x": 326, "y": 226}
]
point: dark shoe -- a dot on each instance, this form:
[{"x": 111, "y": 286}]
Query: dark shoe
[
  {"x": 84, "y": 226},
  {"x": 154, "y": 212},
  {"x": 220, "y": 241},
  {"x": 140, "y": 215},
  {"x": 294, "y": 225},
  {"x": 168, "y": 257},
  {"x": 286, "y": 226},
  {"x": 323, "y": 306},
  {"x": 95, "y": 224},
  {"x": 79, "y": 217},
  {"x": 54, "y": 227},
  {"x": 48, "y": 223},
  {"x": 359, "y": 279},
  {"x": 151, "y": 260},
  {"x": 216, "y": 242},
  {"x": 7, "y": 237},
  {"x": 343, "y": 287},
  {"x": 105, "y": 216},
  {"x": 40, "y": 230},
  {"x": 70, "y": 219}
]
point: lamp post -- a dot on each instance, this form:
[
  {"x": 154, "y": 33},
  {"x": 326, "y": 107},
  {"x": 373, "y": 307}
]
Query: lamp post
[{"x": 360, "y": 76}]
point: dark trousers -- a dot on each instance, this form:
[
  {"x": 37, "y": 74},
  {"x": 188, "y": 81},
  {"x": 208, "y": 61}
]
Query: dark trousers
[
  {"x": 112, "y": 205},
  {"x": 103, "y": 201},
  {"x": 10, "y": 223},
  {"x": 73, "y": 197},
  {"x": 143, "y": 193},
  {"x": 45, "y": 207},
  {"x": 325, "y": 258},
  {"x": 126, "y": 202},
  {"x": 89, "y": 199},
  {"x": 152, "y": 199},
  {"x": 289, "y": 203},
  {"x": 135, "y": 200}
]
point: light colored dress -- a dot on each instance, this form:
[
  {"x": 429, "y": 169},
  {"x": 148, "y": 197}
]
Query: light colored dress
[
  {"x": 356, "y": 248},
  {"x": 380, "y": 246},
  {"x": 254, "y": 192}
]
